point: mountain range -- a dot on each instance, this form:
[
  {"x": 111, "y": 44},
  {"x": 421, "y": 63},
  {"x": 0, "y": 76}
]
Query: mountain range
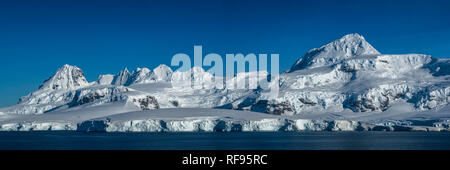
[{"x": 344, "y": 85}]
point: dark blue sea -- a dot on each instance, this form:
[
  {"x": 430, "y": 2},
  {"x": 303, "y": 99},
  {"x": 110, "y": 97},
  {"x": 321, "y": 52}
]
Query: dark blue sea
[{"x": 64, "y": 140}]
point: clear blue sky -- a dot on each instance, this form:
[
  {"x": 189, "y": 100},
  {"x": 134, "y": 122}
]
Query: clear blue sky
[{"x": 37, "y": 37}]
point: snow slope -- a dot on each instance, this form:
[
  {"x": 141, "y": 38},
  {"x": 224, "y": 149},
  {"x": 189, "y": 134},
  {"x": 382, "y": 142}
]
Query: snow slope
[{"x": 346, "y": 80}]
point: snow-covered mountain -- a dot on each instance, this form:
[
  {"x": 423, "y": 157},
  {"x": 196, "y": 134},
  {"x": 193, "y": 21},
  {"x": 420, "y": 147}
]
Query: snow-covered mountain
[
  {"x": 347, "y": 79},
  {"x": 350, "y": 75},
  {"x": 66, "y": 78},
  {"x": 337, "y": 51}
]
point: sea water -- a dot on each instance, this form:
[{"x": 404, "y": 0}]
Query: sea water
[{"x": 69, "y": 140}]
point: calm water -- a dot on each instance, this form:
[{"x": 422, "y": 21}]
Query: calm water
[{"x": 225, "y": 141}]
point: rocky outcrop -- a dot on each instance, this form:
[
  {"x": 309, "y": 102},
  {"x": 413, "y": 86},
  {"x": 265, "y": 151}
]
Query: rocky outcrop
[
  {"x": 273, "y": 107},
  {"x": 146, "y": 103},
  {"x": 348, "y": 46}
]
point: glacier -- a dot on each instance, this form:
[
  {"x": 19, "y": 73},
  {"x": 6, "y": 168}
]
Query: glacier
[
  {"x": 205, "y": 120},
  {"x": 344, "y": 85}
]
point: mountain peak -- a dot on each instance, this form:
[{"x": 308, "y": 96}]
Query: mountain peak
[
  {"x": 163, "y": 66},
  {"x": 67, "y": 77},
  {"x": 348, "y": 46},
  {"x": 122, "y": 77},
  {"x": 352, "y": 37},
  {"x": 145, "y": 70},
  {"x": 139, "y": 75},
  {"x": 125, "y": 70},
  {"x": 68, "y": 66},
  {"x": 162, "y": 73}
]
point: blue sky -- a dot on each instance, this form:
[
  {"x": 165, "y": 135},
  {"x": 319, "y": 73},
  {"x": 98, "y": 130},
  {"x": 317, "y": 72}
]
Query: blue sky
[{"x": 101, "y": 37}]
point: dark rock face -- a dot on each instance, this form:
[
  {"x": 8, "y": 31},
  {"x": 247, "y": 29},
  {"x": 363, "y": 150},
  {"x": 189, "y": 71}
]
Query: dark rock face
[
  {"x": 175, "y": 103},
  {"x": 365, "y": 104},
  {"x": 91, "y": 97},
  {"x": 78, "y": 77},
  {"x": 280, "y": 108},
  {"x": 348, "y": 69},
  {"x": 88, "y": 96},
  {"x": 147, "y": 103},
  {"x": 276, "y": 108},
  {"x": 307, "y": 102}
]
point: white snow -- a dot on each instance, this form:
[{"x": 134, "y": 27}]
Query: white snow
[
  {"x": 105, "y": 79},
  {"x": 344, "y": 85},
  {"x": 140, "y": 75},
  {"x": 161, "y": 73},
  {"x": 67, "y": 77},
  {"x": 348, "y": 46}
]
